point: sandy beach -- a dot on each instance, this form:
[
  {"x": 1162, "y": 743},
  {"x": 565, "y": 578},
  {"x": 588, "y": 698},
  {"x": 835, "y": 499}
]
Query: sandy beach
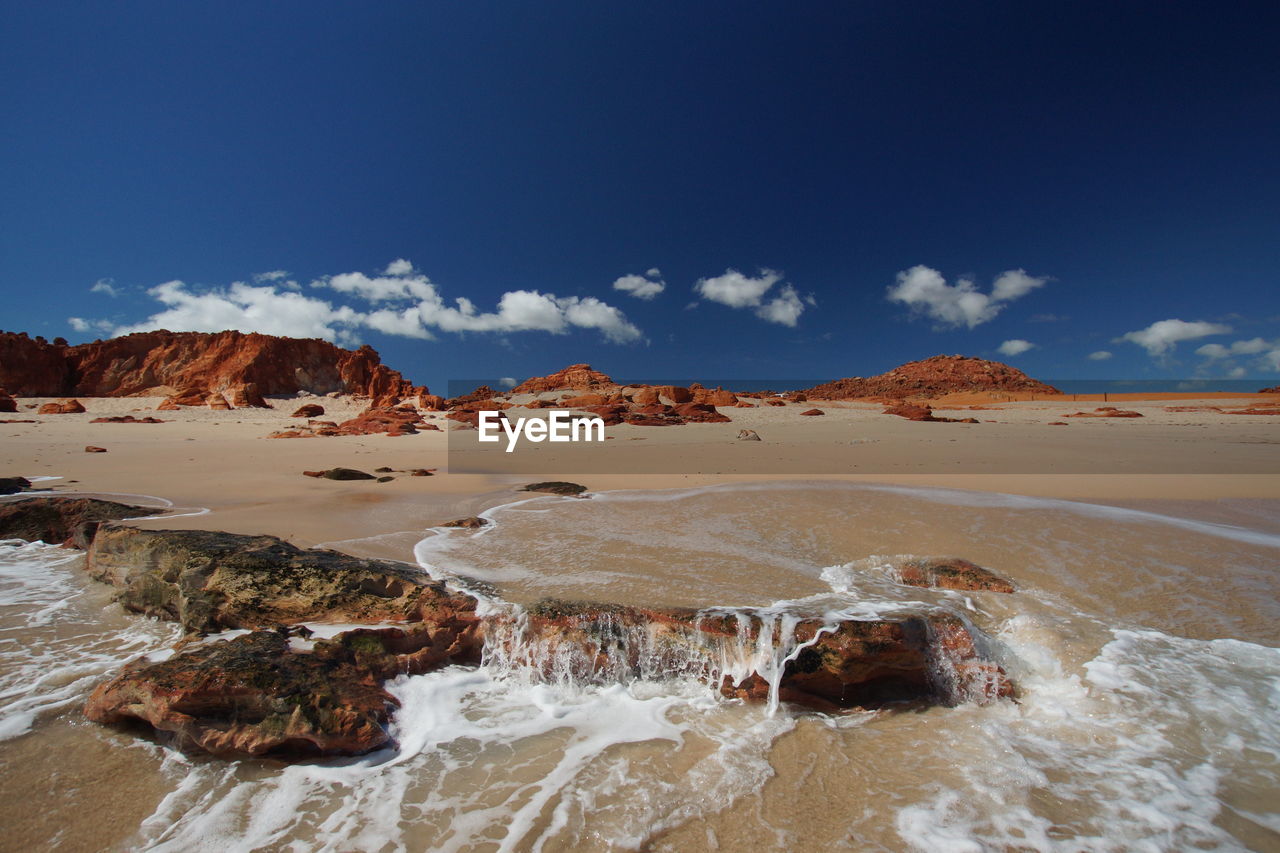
[{"x": 223, "y": 461}]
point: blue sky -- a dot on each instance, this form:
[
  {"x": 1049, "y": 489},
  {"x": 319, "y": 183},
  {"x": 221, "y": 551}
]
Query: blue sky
[{"x": 776, "y": 192}]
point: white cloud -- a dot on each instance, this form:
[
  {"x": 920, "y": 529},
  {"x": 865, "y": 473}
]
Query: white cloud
[
  {"x": 273, "y": 275},
  {"x": 645, "y": 286},
  {"x": 784, "y": 309},
  {"x": 383, "y": 288},
  {"x": 248, "y": 309},
  {"x": 1224, "y": 357},
  {"x": 923, "y": 289},
  {"x": 105, "y": 285},
  {"x": 416, "y": 309},
  {"x": 507, "y": 382},
  {"x": 1162, "y": 336},
  {"x": 1253, "y": 346},
  {"x": 1100, "y": 355},
  {"x": 735, "y": 289},
  {"x": 742, "y": 291},
  {"x": 1016, "y": 346}
]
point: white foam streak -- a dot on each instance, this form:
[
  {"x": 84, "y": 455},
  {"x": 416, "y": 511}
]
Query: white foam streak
[{"x": 51, "y": 656}]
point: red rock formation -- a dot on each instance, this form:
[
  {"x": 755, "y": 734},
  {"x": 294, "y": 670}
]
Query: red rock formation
[
  {"x": 247, "y": 396},
  {"x": 716, "y": 397},
  {"x": 218, "y": 403},
  {"x": 674, "y": 394},
  {"x": 1105, "y": 412},
  {"x": 91, "y": 449},
  {"x": 1275, "y": 390},
  {"x": 575, "y": 377},
  {"x": 7, "y": 403},
  {"x": 812, "y": 413},
  {"x": 431, "y": 402},
  {"x": 310, "y": 410},
  {"x": 586, "y": 400},
  {"x": 167, "y": 405},
  {"x": 933, "y": 377},
  {"x": 393, "y": 422},
  {"x": 924, "y": 413},
  {"x": 65, "y": 407},
  {"x": 470, "y": 401},
  {"x": 774, "y": 401},
  {"x": 701, "y": 413},
  {"x": 195, "y": 363}
]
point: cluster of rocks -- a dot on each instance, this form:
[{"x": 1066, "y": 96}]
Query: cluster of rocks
[
  {"x": 390, "y": 421},
  {"x": 1105, "y": 412},
  {"x": 274, "y": 691}
]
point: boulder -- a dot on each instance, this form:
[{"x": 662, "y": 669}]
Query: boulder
[
  {"x": 126, "y": 419},
  {"x": 555, "y": 487},
  {"x": 345, "y": 474},
  {"x": 89, "y": 448},
  {"x": 62, "y": 521},
  {"x": 674, "y": 395},
  {"x": 748, "y": 435},
  {"x": 217, "y": 402},
  {"x": 646, "y": 396},
  {"x": 255, "y": 696},
  {"x": 951, "y": 573},
  {"x": 13, "y": 485},
  {"x": 63, "y": 407},
  {"x": 247, "y": 395},
  {"x": 431, "y": 402},
  {"x": 812, "y": 413},
  {"x": 210, "y": 581},
  {"x": 472, "y": 522},
  {"x": 700, "y": 413},
  {"x": 7, "y": 403},
  {"x": 310, "y": 410}
]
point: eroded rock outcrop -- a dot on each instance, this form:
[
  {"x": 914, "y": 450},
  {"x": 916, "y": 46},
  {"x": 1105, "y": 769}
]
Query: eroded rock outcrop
[
  {"x": 255, "y": 695},
  {"x": 191, "y": 365},
  {"x": 932, "y": 377},
  {"x": 575, "y": 377},
  {"x": 209, "y": 581},
  {"x": 62, "y": 521},
  {"x": 274, "y": 692},
  {"x": 912, "y": 412}
]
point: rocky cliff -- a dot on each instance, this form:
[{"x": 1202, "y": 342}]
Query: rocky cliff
[
  {"x": 194, "y": 364},
  {"x": 933, "y": 377}
]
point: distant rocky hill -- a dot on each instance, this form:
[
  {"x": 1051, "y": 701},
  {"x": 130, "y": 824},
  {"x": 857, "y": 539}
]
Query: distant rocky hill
[
  {"x": 575, "y": 377},
  {"x": 933, "y": 377},
  {"x": 193, "y": 363},
  {"x": 1275, "y": 390}
]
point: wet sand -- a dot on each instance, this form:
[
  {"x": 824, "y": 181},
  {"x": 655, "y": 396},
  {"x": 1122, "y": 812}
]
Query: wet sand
[{"x": 1116, "y": 633}]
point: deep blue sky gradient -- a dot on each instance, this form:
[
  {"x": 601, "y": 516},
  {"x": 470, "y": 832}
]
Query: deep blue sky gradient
[{"x": 1126, "y": 150}]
